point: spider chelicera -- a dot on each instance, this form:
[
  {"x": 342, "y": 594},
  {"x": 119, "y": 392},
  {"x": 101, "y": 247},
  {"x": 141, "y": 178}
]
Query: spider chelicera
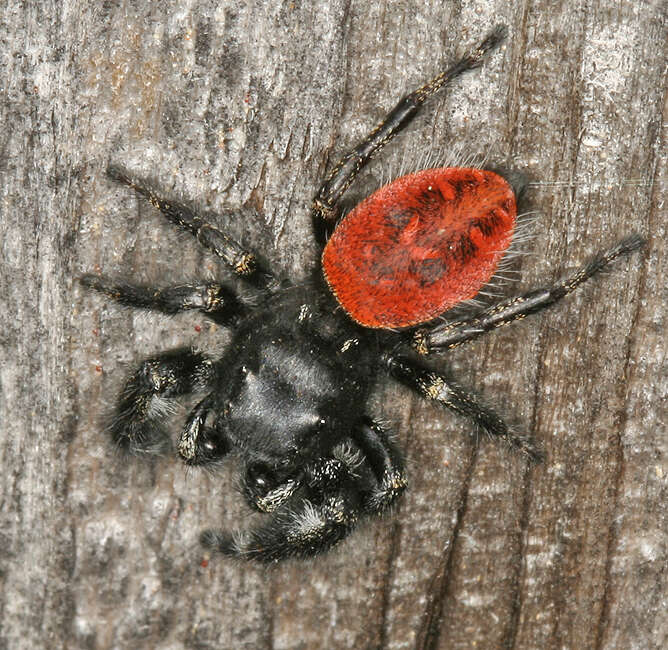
[{"x": 289, "y": 394}]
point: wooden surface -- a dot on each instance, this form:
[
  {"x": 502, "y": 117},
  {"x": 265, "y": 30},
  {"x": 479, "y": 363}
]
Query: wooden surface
[{"x": 247, "y": 103}]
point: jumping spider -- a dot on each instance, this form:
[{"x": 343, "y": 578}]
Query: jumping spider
[{"x": 289, "y": 394}]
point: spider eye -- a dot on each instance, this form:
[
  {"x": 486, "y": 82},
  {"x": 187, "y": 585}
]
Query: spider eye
[{"x": 260, "y": 476}]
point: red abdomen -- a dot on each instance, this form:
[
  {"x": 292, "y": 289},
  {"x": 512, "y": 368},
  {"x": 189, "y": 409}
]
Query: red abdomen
[{"x": 420, "y": 245}]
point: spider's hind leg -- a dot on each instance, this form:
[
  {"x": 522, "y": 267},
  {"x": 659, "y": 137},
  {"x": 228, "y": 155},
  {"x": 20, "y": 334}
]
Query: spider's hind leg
[
  {"x": 326, "y": 208},
  {"x": 137, "y": 423},
  {"x": 448, "y": 335},
  {"x": 243, "y": 262}
]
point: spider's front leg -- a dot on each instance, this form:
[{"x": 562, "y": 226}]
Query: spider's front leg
[
  {"x": 137, "y": 424},
  {"x": 266, "y": 489},
  {"x": 321, "y": 513},
  {"x": 387, "y": 464}
]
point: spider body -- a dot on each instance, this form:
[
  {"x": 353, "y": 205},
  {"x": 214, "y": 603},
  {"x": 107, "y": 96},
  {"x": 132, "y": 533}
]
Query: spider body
[
  {"x": 279, "y": 386},
  {"x": 289, "y": 395},
  {"x": 420, "y": 245}
]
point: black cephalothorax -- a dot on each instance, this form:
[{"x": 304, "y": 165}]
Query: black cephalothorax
[{"x": 289, "y": 396}]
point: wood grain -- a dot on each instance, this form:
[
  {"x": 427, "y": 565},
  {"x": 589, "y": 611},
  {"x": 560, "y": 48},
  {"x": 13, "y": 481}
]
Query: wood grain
[{"x": 228, "y": 104}]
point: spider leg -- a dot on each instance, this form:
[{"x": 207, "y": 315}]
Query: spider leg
[
  {"x": 436, "y": 386},
  {"x": 200, "y": 445},
  {"x": 450, "y": 335},
  {"x": 217, "y": 302},
  {"x": 244, "y": 263},
  {"x": 305, "y": 524},
  {"x": 326, "y": 209},
  {"x": 386, "y": 462},
  {"x": 136, "y": 427},
  {"x": 265, "y": 490}
]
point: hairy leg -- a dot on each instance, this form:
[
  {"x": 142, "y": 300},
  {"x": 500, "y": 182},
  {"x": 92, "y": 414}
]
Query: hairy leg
[
  {"x": 387, "y": 464},
  {"x": 142, "y": 405},
  {"x": 437, "y": 387},
  {"x": 217, "y": 302},
  {"x": 244, "y": 263},
  {"x": 450, "y": 335},
  {"x": 310, "y": 522},
  {"x": 326, "y": 209}
]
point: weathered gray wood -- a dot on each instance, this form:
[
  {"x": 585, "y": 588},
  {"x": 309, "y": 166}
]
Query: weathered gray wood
[{"x": 232, "y": 103}]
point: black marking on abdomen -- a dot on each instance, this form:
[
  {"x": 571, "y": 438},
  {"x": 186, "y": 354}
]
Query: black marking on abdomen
[
  {"x": 487, "y": 224},
  {"x": 399, "y": 218},
  {"x": 428, "y": 271},
  {"x": 465, "y": 250}
]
